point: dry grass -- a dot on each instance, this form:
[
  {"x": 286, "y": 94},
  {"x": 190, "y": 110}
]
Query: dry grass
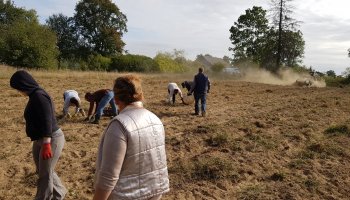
[{"x": 258, "y": 141}]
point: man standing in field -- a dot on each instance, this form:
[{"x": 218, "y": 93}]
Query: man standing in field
[{"x": 200, "y": 88}]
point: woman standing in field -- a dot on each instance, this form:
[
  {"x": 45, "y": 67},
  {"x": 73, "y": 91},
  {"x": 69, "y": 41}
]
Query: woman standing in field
[
  {"x": 47, "y": 137},
  {"x": 131, "y": 161}
]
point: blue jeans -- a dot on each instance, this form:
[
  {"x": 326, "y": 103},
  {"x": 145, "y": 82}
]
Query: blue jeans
[
  {"x": 108, "y": 98},
  {"x": 201, "y": 97}
]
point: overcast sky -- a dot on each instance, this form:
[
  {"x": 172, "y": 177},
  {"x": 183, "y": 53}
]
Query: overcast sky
[{"x": 202, "y": 26}]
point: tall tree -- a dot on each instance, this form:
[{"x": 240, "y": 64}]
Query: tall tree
[
  {"x": 248, "y": 35},
  {"x": 281, "y": 16},
  {"x": 67, "y": 39},
  {"x": 23, "y": 41},
  {"x": 100, "y": 25}
]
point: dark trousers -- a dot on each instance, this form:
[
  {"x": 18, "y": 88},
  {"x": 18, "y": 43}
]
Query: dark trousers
[
  {"x": 202, "y": 98},
  {"x": 49, "y": 186}
]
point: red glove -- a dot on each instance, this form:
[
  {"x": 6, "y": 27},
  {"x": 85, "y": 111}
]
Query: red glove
[{"x": 46, "y": 151}]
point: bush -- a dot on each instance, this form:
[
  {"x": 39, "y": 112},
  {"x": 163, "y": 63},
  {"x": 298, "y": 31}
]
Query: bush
[
  {"x": 217, "y": 67},
  {"x": 23, "y": 41},
  {"x": 168, "y": 64},
  {"x": 99, "y": 62},
  {"x": 337, "y": 81},
  {"x": 337, "y": 130},
  {"x": 133, "y": 63}
]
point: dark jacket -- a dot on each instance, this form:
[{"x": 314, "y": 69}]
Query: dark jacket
[
  {"x": 97, "y": 96},
  {"x": 39, "y": 113},
  {"x": 201, "y": 84},
  {"x": 187, "y": 85}
]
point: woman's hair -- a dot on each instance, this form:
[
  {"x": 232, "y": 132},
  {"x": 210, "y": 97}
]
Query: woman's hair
[{"x": 128, "y": 89}]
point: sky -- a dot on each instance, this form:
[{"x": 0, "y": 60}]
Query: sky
[{"x": 202, "y": 26}]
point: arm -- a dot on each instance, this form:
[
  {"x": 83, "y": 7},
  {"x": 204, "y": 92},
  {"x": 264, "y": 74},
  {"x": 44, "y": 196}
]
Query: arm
[
  {"x": 112, "y": 152},
  {"x": 208, "y": 85},
  {"x": 65, "y": 106},
  {"x": 44, "y": 110},
  {"x": 91, "y": 108},
  {"x": 193, "y": 85}
]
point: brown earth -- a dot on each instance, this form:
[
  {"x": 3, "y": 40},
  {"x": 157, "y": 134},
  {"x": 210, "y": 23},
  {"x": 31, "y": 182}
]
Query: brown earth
[{"x": 258, "y": 141}]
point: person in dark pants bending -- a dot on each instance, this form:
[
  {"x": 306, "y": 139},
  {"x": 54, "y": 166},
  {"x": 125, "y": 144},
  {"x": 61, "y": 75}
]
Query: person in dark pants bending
[
  {"x": 101, "y": 98},
  {"x": 42, "y": 129},
  {"x": 200, "y": 88}
]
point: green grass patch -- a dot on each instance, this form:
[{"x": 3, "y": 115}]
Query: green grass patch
[{"x": 337, "y": 130}]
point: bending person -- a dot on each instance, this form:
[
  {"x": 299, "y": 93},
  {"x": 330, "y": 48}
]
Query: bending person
[
  {"x": 101, "y": 98},
  {"x": 71, "y": 98}
]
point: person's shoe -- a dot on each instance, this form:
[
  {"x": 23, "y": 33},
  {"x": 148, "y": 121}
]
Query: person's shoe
[
  {"x": 204, "y": 114},
  {"x": 96, "y": 120},
  {"x": 195, "y": 114}
]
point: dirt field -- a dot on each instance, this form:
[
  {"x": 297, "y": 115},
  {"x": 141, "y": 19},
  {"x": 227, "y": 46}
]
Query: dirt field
[{"x": 258, "y": 141}]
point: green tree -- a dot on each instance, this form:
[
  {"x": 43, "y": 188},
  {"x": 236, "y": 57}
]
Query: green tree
[
  {"x": 168, "y": 62},
  {"x": 248, "y": 35},
  {"x": 100, "y": 25},
  {"x": 331, "y": 73},
  {"x": 282, "y": 20},
  {"x": 23, "y": 41},
  {"x": 67, "y": 41}
]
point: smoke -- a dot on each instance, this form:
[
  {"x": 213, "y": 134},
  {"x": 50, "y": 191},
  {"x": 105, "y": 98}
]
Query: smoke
[{"x": 283, "y": 77}]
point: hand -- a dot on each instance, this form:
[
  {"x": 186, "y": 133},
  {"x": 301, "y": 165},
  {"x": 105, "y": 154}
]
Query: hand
[
  {"x": 87, "y": 118},
  {"x": 46, "y": 151}
]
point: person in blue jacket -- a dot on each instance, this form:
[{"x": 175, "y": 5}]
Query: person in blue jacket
[{"x": 200, "y": 87}]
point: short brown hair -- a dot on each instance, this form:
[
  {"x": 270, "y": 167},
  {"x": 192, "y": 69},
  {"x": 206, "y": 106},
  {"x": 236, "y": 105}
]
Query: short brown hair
[{"x": 128, "y": 89}]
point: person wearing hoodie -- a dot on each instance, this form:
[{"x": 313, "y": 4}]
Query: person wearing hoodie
[{"x": 42, "y": 129}]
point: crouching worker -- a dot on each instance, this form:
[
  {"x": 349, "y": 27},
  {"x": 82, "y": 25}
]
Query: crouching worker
[
  {"x": 71, "y": 98},
  {"x": 187, "y": 85},
  {"x": 101, "y": 98},
  {"x": 173, "y": 89},
  {"x": 131, "y": 160}
]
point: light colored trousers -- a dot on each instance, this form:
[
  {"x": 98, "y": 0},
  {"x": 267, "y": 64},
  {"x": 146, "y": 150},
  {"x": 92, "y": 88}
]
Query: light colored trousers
[{"x": 49, "y": 186}]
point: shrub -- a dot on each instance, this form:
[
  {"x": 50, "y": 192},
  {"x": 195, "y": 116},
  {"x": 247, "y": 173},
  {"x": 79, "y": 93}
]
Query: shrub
[
  {"x": 168, "y": 64},
  {"x": 217, "y": 67},
  {"x": 133, "y": 63},
  {"x": 338, "y": 130},
  {"x": 98, "y": 62},
  {"x": 213, "y": 168}
]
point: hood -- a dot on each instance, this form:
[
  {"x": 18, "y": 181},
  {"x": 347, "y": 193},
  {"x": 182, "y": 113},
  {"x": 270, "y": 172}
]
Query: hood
[{"x": 24, "y": 82}]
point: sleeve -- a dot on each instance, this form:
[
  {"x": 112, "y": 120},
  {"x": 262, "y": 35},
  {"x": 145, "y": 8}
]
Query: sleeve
[
  {"x": 91, "y": 108},
  {"x": 66, "y": 106},
  {"x": 193, "y": 84},
  {"x": 209, "y": 84},
  {"x": 180, "y": 93},
  {"x": 45, "y": 115},
  {"x": 112, "y": 157}
]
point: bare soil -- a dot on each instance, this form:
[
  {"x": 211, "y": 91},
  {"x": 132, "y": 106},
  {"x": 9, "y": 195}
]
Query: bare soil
[{"x": 258, "y": 141}]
